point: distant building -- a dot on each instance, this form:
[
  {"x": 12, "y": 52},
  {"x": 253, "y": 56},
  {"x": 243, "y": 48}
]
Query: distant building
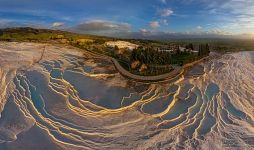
[
  {"x": 182, "y": 49},
  {"x": 172, "y": 48},
  {"x": 195, "y": 52},
  {"x": 167, "y": 50}
]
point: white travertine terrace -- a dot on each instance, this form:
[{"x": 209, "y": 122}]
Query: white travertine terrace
[
  {"x": 122, "y": 44},
  {"x": 58, "y": 97}
]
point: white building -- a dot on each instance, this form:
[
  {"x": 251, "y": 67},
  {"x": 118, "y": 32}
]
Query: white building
[
  {"x": 166, "y": 50},
  {"x": 182, "y": 49}
]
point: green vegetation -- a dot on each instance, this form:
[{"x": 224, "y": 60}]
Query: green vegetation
[
  {"x": 156, "y": 57},
  {"x": 220, "y": 45},
  {"x": 150, "y": 58},
  {"x": 158, "y": 62},
  {"x": 27, "y": 34},
  {"x": 88, "y": 42}
]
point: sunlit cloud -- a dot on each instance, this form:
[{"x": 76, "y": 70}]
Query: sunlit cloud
[
  {"x": 235, "y": 15},
  {"x": 143, "y": 30},
  {"x": 154, "y": 24},
  {"x": 165, "y": 12},
  {"x": 199, "y": 27},
  {"x": 102, "y": 25},
  {"x": 57, "y": 24},
  {"x": 164, "y": 22},
  {"x": 163, "y": 1}
]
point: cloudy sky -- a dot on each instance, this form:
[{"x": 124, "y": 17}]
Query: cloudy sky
[{"x": 133, "y": 17}]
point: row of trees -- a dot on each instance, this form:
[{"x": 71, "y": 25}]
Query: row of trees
[
  {"x": 156, "y": 57},
  {"x": 203, "y": 50},
  {"x": 189, "y": 46},
  {"x": 150, "y": 56}
]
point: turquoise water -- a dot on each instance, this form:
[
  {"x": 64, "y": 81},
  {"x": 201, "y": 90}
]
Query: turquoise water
[
  {"x": 157, "y": 105},
  {"x": 97, "y": 91},
  {"x": 232, "y": 109},
  {"x": 212, "y": 90},
  {"x": 67, "y": 104}
]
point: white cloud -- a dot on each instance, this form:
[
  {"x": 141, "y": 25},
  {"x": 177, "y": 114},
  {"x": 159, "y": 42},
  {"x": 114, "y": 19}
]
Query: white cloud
[
  {"x": 164, "y": 22},
  {"x": 143, "y": 30},
  {"x": 166, "y": 12},
  {"x": 57, "y": 24},
  {"x": 103, "y": 25},
  {"x": 234, "y": 15},
  {"x": 199, "y": 27},
  {"x": 218, "y": 31},
  {"x": 163, "y": 1},
  {"x": 154, "y": 24}
]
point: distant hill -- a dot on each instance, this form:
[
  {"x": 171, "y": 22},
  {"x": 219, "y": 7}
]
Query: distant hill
[
  {"x": 28, "y": 34},
  {"x": 32, "y": 34}
]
